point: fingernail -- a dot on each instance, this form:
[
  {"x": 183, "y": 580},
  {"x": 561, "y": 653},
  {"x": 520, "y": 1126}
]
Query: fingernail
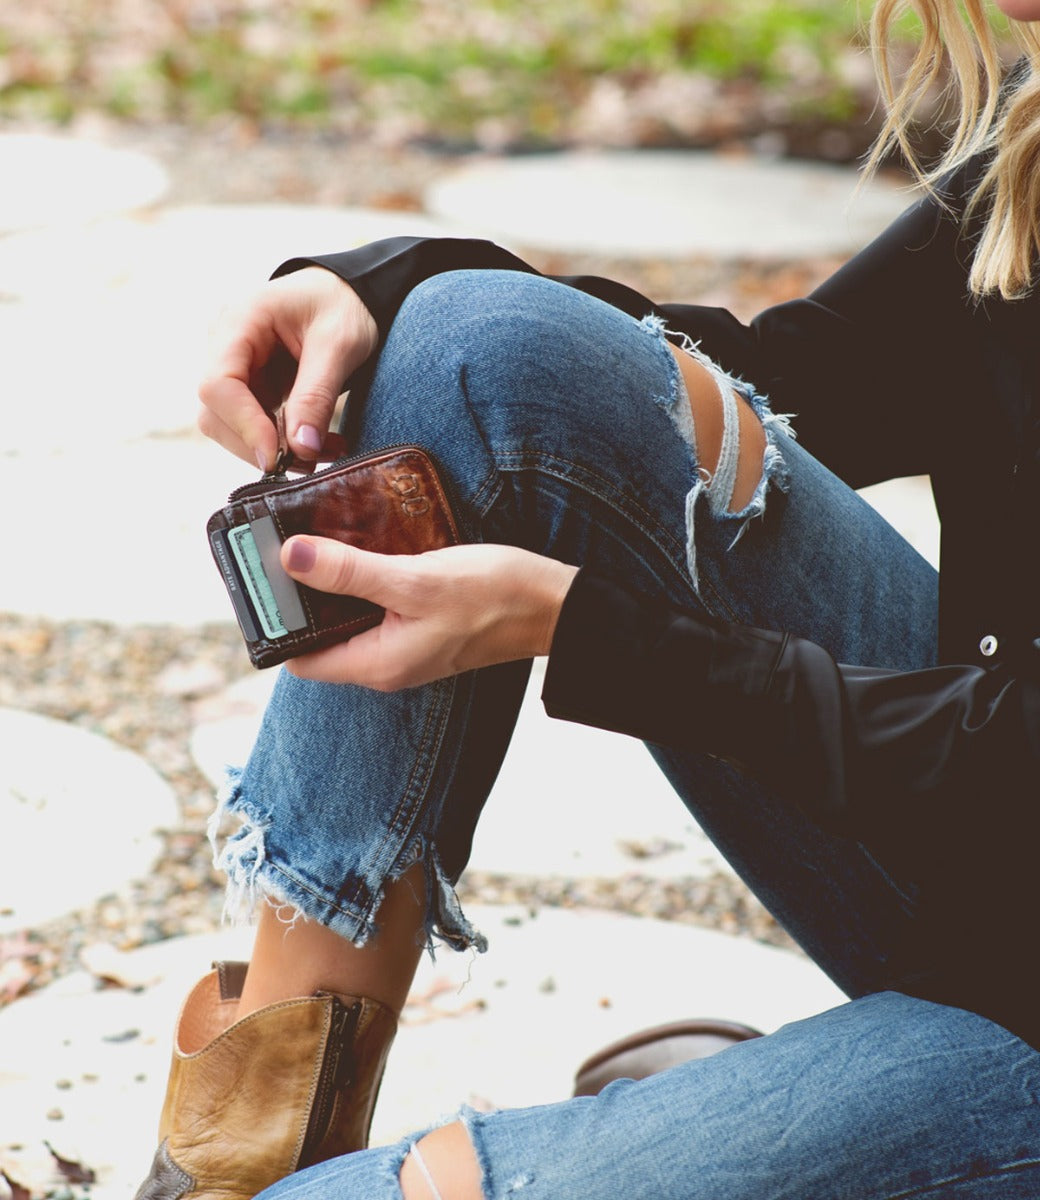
[
  {"x": 301, "y": 555},
  {"x": 309, "y": 438},
  {"x": 261, "y": 462}
]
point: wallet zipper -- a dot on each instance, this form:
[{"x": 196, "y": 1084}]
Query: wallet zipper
[{"x": 279, "y": 479}]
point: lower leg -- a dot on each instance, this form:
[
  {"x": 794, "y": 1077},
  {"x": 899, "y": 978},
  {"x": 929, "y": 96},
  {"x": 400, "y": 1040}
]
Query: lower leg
[{"x": 302, "y": 957}]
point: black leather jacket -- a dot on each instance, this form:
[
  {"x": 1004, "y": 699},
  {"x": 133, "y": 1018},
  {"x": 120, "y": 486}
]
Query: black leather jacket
[{"x": 892, "y": 370}]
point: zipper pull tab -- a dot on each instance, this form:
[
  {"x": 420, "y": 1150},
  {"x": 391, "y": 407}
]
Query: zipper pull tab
[{"x": 284, "y": 459}]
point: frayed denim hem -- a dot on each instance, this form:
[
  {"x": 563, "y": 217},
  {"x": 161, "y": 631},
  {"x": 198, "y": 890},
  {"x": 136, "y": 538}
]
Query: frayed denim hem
[
  {"x": 254, "y": 877},
  {"x": 717, "y": 488}
]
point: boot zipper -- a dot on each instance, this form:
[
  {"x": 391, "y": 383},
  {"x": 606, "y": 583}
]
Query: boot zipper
[{"x": 336, "y": 1069}]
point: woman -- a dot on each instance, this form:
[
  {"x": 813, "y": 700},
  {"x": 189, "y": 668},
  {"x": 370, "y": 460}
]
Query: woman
[{"x": 885, "y": 811}]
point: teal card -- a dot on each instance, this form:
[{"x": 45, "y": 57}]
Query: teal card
[{"x": 247, "y": 555}]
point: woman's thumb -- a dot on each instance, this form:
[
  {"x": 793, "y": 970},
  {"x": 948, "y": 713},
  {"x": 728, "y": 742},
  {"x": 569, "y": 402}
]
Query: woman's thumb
[{"x": 331, "y": 566}]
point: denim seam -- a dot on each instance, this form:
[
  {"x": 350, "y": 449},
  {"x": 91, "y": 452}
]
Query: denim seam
[
  {"x": 1026, "y": 1164},
  {"x": 670, "y": 547},
  {"x": 361, "y": 919},
  {"x": 597, "y": 486},
  {"x": 402, "y": 821},
  {"x": 281, "y": 896},
  {"x": 426, "y": 756},
  {"x": 492, "y": 486},
  {"x": 477, "y": 502}
]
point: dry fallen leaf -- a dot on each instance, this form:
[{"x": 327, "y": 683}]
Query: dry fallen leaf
[
  {"x": 18, "y": 1192},
  {"x": 19, "y": 964},
  {"x": 111, "y": 965},
  {"x": 73, "y": 1172}
]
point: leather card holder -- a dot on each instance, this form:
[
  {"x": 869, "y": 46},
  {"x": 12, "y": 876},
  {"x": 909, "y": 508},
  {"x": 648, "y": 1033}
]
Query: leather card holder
[{"x": 392, "y": 501}]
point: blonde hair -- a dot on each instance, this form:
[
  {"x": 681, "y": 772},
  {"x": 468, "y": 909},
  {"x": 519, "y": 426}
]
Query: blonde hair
[{"x": 958, "y": 46}]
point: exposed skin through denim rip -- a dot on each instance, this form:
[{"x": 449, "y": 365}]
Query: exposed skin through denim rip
[{"x": 709, "y": 417}]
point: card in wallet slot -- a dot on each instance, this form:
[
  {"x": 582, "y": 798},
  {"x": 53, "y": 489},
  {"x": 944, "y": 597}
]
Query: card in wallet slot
[{"x": 392, "y": 501}]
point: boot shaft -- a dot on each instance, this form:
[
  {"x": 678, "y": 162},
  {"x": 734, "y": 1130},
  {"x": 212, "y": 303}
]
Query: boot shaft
[{"x": 251, "y": 1101}]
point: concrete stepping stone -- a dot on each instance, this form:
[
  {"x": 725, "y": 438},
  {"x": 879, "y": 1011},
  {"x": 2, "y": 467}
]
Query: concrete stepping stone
[
  {"x": 78, "y": 815},
  {"x": 212, "y": 249},
  {"x": 146, "y": 559},
  {"x": 51, "y": 180},
  {"x": 569, "y": 800},
  {"x": 909, "y": 506},
  {"x": 84, "y": 1069},
  {"x": 666, "y": 203},
  {"x": 131, "y": 302}
]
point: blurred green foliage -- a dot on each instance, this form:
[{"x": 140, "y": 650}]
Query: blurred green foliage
[{"x": 437, "y": 67}]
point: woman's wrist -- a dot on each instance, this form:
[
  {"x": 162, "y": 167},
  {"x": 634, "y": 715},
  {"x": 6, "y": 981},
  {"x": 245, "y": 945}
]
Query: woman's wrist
[{"x": 556, "y": 581}]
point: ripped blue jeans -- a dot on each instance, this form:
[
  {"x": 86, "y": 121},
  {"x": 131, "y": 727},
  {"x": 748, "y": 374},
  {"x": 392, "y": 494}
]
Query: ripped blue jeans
[{"x": 562, "y": 425}]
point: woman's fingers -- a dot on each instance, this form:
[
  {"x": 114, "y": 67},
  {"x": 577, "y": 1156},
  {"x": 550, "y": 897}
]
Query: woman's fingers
[
  {"x": 363, "y": 660},
  {"x": 413, "y": 643},
  {"x": 297, "y": 341},
  {"x": 230, "y": 416},
  {"x": 331, "y": 334},
  {"x": 236, "y": 405},
  {"x": 446, "y": 611},
  {"x": 327, "y": 358}
]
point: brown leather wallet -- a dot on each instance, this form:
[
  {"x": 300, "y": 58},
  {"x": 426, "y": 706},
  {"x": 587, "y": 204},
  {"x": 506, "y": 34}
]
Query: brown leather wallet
[{"x": 392, "y": 501}]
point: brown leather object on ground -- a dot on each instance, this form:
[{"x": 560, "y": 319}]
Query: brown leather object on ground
[{"x": 652, "y": 1050}]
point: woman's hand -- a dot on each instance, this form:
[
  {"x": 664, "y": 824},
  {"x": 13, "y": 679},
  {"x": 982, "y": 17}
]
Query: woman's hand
[
  {"x": 298, "y": 340},
  {"x": 447, "y": 610}
]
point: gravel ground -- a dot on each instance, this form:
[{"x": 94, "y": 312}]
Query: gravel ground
[
  {"x": 122, "y": 682},
  {"x": 135, "y": 684}
]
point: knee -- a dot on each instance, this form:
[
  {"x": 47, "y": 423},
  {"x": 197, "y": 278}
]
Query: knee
[
  {"x": 468, "y": 318},
  {"x": 478, "y": 307}
]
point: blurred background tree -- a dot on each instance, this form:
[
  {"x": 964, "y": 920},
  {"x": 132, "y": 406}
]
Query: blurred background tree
[{"x": 794, "y": 77}]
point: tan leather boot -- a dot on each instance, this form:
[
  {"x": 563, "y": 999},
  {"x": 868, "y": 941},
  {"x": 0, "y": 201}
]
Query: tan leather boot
[{"x": 251, "y": 1101}]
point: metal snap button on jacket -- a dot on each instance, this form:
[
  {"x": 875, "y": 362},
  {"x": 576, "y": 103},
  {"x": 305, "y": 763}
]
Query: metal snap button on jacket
[{"x": 988, "y": 645}]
